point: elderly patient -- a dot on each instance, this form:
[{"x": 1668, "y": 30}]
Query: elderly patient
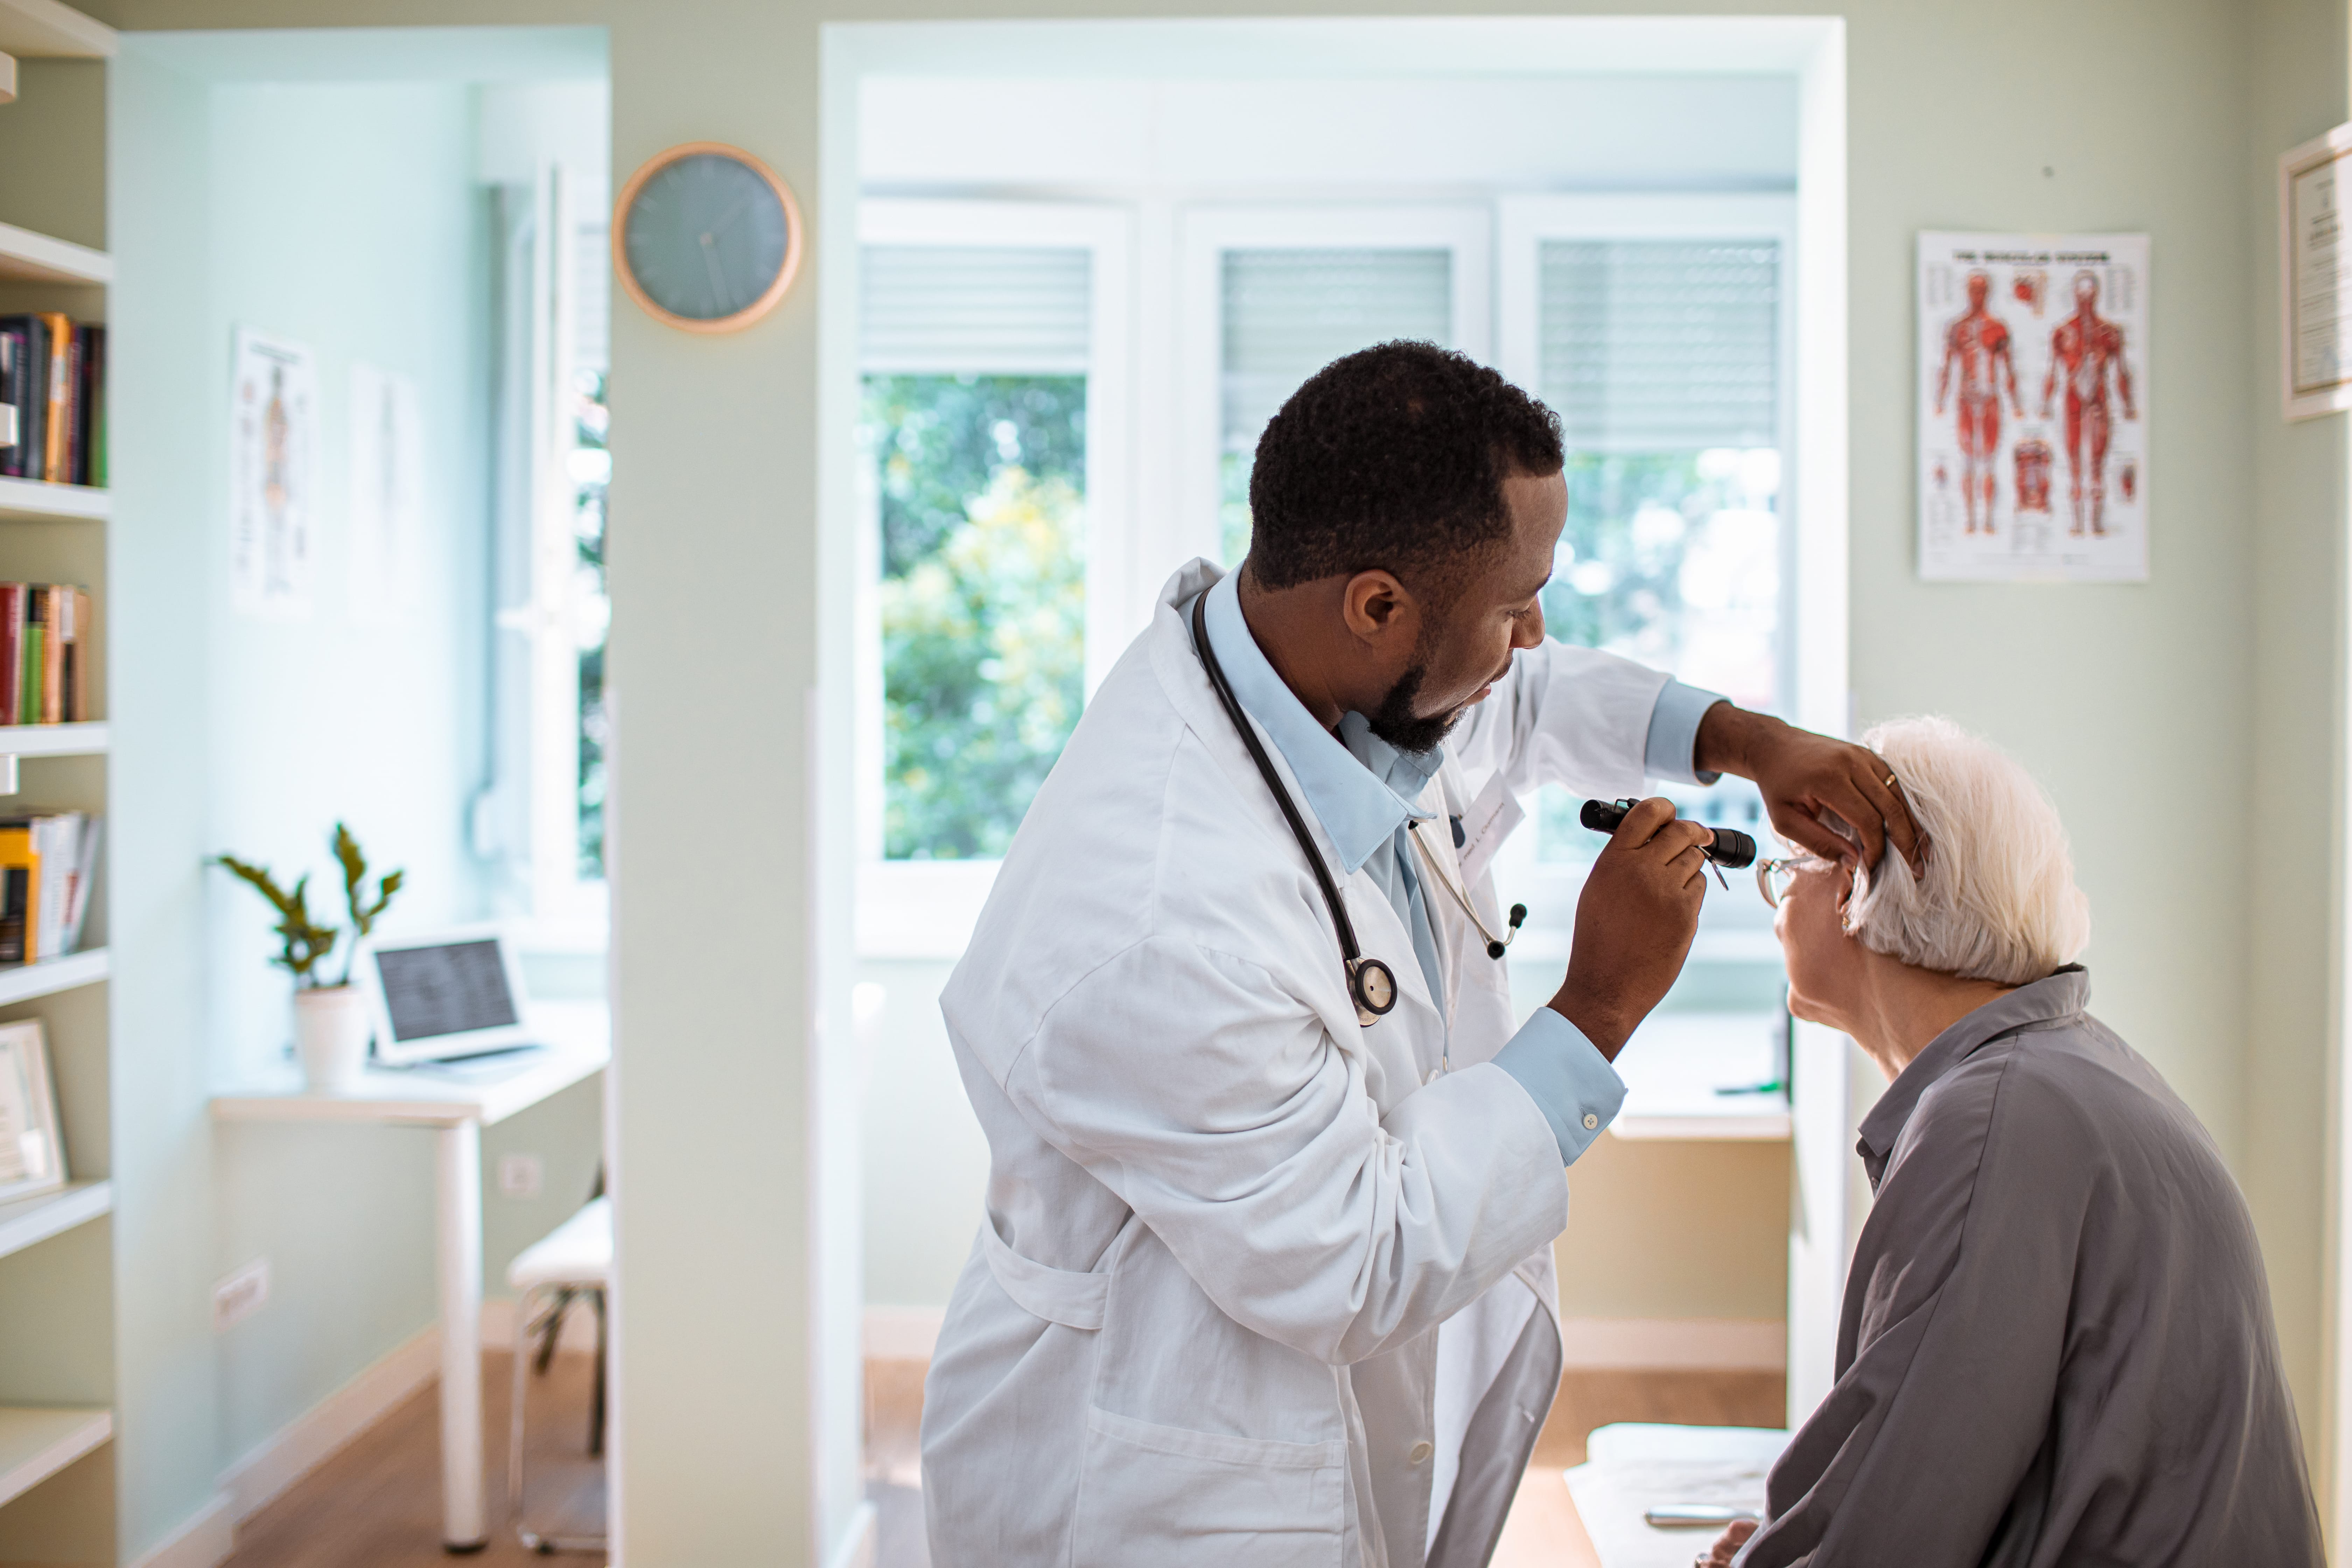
[{"x": 2056, "y": 1343}]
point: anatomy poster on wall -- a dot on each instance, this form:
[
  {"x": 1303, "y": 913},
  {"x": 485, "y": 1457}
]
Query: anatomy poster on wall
[
  {"x": 273, "y": 476},
  {"x": 387, "y": 464},
  {"x": 2033, "y": 407}
]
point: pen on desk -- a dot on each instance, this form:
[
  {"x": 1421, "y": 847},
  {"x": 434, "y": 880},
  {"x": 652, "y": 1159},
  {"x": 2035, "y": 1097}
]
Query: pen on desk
[{"x": 1693, "y": 1515}]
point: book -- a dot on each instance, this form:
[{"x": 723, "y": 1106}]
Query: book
[
  {"x": 12, "y": 649},
  {"x": 90, "y": 406},
  {"x": 20, "y": 872},
  {"x": 71, "y": 609},
  {"x": 28, "y": 661},
  {"x": 80, "y": 882},
  {"x": 30, "y": 394},
  {"x": 57, "y": 646},
  {"x": 57, "y": 420}
]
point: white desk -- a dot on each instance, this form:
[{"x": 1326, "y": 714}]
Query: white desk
[
  {"x": 456, "y": 1100},
  {"x": 1633, "y": 1466}
]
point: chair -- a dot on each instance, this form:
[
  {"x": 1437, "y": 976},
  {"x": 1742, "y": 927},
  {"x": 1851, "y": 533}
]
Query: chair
[{"x": 575, "y": 1259}]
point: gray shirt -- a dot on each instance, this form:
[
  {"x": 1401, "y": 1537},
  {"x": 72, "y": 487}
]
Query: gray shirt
[{"x": 2056, "y": 1344}]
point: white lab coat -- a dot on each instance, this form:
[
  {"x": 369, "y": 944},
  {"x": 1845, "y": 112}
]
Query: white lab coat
[{"x": 1223, "y": 1220}]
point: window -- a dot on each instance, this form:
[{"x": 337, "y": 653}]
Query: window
[
  {"x": 540, "y": 822},
  {"x": 989, "y": 441},
  {"x": 1277, "y": 293},
  {"x": 1657, "y": 329}
]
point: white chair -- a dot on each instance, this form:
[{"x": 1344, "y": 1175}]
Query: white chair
[{"x": 575, "y": 1258}]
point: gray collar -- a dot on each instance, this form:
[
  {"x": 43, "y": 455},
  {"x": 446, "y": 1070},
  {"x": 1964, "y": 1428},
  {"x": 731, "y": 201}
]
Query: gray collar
[{"x": 2055, "y": 1000}]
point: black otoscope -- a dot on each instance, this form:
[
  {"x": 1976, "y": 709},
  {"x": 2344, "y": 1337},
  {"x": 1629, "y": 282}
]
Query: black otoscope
[{"x": 1731, "y": 848}]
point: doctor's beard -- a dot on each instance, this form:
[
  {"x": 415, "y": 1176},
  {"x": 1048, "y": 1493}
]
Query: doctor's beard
[{"x": 1395, "y": 722}]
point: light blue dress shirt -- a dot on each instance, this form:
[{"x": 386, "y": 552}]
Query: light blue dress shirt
[{"x": 1363, "y": 791}]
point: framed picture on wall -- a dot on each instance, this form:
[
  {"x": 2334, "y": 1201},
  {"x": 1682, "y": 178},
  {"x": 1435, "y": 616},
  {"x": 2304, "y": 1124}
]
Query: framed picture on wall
[
  {"x": 2315, "y": 275},
  {"x": 32, "y": 1155},
  {"x": 2033, "y": 407}
]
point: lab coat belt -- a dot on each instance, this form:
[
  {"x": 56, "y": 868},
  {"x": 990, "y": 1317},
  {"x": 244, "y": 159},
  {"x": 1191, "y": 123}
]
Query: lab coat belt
[{"x": 1057, "y": 1295}]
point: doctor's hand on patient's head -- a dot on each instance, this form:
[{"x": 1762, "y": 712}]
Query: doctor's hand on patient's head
[
  {"x": 1633, "y": 923},
  {"x": 1807, "y": 779}
]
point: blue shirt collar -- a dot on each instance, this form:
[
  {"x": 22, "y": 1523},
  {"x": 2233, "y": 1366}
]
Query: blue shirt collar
[{"x": 1358, "y": 785}]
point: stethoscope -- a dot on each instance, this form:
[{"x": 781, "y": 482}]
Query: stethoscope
[{"x": 1372, "y": 984}]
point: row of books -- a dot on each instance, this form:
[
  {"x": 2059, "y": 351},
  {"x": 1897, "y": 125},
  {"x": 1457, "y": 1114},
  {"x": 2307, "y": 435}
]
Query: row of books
[
  {"x": 49, "y": 865},
  {"x": 43, "y": 647},
  {"x": 53, "y": 390}
]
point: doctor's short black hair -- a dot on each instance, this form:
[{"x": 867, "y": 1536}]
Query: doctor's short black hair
[{"x": 1394, "y": 458}]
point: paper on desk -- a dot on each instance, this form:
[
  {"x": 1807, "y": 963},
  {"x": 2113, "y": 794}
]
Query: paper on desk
[{"x": 1633, "y": 1467}]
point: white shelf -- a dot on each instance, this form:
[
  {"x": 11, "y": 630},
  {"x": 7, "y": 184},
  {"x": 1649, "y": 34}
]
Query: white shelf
[
  {"x": 26, "y": 257},
  {"x": 38, "y": 498},
  {"x": 37, "y": 1442},
  {"x": 86, "y": 739},
  {"x": 35, "y": 1219},
  {"x": 38, "y": 29},
  {"x": 22, "y": 982}
]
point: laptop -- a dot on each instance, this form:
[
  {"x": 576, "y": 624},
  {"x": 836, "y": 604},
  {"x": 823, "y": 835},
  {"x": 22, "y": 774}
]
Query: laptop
[{"x": 444, "y": 995}]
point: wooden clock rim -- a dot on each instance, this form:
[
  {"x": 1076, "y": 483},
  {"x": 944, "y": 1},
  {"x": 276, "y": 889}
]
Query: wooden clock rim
[{"x": 750, "y": 313}]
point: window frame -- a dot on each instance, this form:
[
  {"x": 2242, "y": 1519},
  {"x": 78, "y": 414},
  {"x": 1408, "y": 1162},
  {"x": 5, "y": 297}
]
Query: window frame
[
  {"x": 927, "y": 909},
  {"x": 1736, "y": 928},
  {"x": 1206, "y": 231}
]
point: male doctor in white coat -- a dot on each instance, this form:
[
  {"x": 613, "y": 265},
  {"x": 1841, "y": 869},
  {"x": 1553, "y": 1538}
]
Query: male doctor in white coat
[{"x": 1260, "y": 1284}]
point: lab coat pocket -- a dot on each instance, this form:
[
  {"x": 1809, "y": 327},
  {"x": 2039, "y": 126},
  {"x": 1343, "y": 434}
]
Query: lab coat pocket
[{"x": 1150, "y": 1496}]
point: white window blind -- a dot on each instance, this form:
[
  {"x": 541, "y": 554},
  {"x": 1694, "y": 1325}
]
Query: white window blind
[
  {"x": 592, "y": 298},
  {"x": 1661, "y": 345},
  {"x": 1289, "y": 313},
  {"x": 977, "y": 309}
]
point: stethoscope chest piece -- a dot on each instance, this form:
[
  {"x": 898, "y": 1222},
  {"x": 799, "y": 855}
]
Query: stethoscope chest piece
[{"x": 1373, "y": 987}]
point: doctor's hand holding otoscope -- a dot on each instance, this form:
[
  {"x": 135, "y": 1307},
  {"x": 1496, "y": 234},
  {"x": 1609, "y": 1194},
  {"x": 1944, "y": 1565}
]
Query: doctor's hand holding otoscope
[{"x": 1636, "y": 917}]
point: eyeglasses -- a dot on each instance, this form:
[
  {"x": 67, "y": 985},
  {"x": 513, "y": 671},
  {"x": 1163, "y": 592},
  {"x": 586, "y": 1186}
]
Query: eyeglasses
[{"x": 1773, "y": 876}]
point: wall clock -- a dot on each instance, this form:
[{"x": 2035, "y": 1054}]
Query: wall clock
[{"x": 706, "y": 237}]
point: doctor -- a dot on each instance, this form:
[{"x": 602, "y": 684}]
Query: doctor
[{"x": 1265, "y": 1274}]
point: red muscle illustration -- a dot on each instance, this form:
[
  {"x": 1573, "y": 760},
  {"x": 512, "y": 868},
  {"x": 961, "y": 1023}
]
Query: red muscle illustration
[
  {"x": 2085, "y": 347},
  {"x": 1976, "y": 344},
  {"x": 2033, "y": 476}
]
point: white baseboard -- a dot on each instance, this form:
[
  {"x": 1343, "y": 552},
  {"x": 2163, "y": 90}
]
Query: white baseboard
[
  {"x": 295, "y": 1449},
  {"x": 902, "y": 1334},
  {"x": 858, "y": 1541},
  {"x": 1675, "y": 1344},
  {"x": 203, "y": 1540}
]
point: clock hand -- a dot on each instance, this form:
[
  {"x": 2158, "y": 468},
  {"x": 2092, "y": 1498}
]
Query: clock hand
[
  {"x": 720, "y": 295},
  {"x": 733, "y": 213}
]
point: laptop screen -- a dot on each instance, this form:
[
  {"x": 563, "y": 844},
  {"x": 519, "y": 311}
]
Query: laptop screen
[{"x": 453, "y": 989}]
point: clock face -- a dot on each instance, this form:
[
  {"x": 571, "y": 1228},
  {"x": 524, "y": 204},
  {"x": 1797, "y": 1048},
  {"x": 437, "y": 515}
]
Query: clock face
[{"x": 707, "y": 237}]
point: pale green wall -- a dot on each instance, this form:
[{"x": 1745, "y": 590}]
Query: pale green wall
[
  {"x": 2294, "y": 525},
  {"x": 2139, "y": 705},
  {"x": 346, "y": 216}
]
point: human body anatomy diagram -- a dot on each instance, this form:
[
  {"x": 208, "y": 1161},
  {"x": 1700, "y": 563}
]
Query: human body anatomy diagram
[{"x": 2033, "y": 357}]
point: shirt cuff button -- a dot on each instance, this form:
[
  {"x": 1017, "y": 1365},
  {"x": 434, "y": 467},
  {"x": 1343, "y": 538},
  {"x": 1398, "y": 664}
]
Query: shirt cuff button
[
  {"x": 1420, "y": 1454},
  {"x": 1590, "y": 1121}
]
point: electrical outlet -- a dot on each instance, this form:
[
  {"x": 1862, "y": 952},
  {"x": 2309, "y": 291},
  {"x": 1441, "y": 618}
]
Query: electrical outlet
[
  {"x": 240, "y": 1295},
  {"x": 519, "y": 1175}
]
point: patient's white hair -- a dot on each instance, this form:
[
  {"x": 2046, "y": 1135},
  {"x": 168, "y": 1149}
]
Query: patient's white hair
[{"x": 1998, "y": 902}]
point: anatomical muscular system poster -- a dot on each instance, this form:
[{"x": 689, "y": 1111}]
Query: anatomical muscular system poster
[{"x": 2033, "y": 407}]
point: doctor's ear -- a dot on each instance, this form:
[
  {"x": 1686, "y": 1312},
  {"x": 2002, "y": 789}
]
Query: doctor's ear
[{"x": 1377, "y": 605}]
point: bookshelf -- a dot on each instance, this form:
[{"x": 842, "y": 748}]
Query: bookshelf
[{"x": 61, "y": 1267}]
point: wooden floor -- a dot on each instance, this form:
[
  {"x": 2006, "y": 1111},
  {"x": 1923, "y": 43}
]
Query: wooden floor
[
  {"x": 377, "y": 1502},
  {"x": 1543, "y": 1532}
]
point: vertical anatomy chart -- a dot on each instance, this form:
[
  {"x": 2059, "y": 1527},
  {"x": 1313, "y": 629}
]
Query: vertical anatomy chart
[
  {"x": 386, "y": 458},
  {"x": 273, "y": 476},
  {"x": 2032, "y": 411}
]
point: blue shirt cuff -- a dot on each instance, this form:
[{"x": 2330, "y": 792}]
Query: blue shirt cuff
[
  {"x": 1670, "y": 751},
  {"x": 1567, "y": 1077}
]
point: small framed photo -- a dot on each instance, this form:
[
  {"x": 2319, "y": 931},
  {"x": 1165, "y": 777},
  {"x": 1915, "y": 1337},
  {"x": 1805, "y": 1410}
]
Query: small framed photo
[{"x": 32, "y": 1155}]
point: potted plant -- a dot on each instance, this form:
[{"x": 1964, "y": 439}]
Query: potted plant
[{"x": 330, "y": 1030}]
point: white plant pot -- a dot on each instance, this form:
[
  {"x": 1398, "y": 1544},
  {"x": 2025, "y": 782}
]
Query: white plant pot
[{"x": 330, "y": 1036}]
